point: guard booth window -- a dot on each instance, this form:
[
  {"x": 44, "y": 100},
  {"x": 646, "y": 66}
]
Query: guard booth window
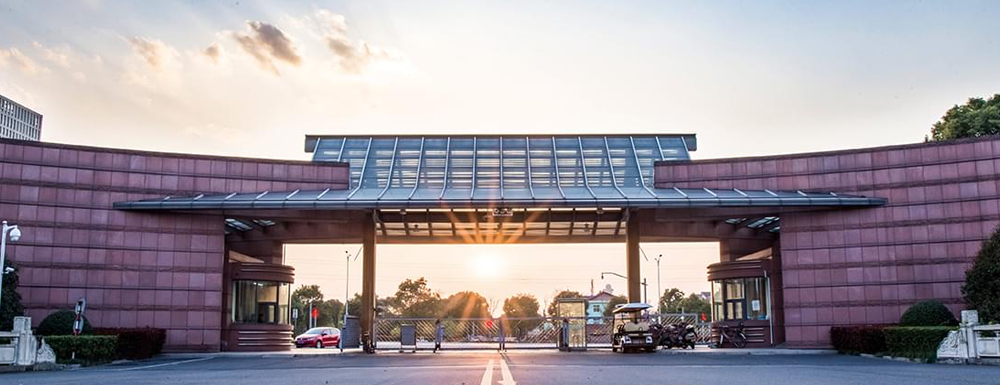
[
  {"x": 740, "y": 299},
  {"x": 260, "y": 302}
]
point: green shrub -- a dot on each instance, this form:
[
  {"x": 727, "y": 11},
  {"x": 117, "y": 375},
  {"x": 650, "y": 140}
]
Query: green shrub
[
  {"x": 858, "y": 339},
  {"x": 928, "y": 313},
  {"x": 89, "y": 349},
  {"x": 917, "y": 342},
  {"x": 60, "y": 323},
  {"x": 136, "y": 344},
  {"x": 10, "y": 299},
  {"x": 982, "y": 281}
]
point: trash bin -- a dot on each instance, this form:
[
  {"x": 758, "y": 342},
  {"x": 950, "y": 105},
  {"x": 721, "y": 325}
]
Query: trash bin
[
  {"x": 351, "y": 333},
  {"x": 407, "y": 337}
]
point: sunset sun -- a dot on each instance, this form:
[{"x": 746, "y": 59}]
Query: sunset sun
[{"x": 487, "y": 266}]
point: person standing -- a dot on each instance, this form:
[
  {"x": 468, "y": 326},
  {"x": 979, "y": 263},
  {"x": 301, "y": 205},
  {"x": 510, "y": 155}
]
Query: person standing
[
  {"x": 503, "y": 338},
  {"x": 438, "y": 335}
]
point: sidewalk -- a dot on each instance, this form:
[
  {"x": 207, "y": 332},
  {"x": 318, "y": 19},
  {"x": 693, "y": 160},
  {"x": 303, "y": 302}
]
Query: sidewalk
[
  {"x": 750, "y": 351},
  {"x": 302, "y": 352}
]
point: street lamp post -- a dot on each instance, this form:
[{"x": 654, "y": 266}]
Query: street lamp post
[
  {"x": 659, "y": 290},
  {"x": 644, "y": 284},
  {"x": 15, "y": 234},
  {"x": 347, "y": 298}
]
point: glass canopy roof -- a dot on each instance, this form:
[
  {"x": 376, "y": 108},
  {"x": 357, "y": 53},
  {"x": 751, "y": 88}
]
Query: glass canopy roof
[{"x": 502, "y": 171}]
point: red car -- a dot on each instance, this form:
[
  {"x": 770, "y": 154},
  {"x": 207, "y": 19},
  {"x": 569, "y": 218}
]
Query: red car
[{"x": 318, "y": 338}]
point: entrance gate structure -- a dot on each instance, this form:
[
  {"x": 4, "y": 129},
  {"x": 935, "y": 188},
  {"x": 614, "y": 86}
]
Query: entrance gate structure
[{"x": 494, "y": 189}]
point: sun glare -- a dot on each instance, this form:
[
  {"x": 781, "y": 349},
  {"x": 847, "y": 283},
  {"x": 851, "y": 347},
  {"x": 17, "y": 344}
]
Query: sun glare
[{"x": 487, "y": 266}]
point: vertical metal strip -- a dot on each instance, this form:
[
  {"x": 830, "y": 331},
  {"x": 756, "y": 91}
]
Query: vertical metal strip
[
  {"x": 447, "y": 166},
  {"x": 501, "y": 168},
  {"x": 638, "y": 167},
  {"x": 659, "y": 147},
  {"x": 340, "y": 155},
  {"x": 583, "y": 166},
  {"x": 527, "y": 163},
  {"x": 420, "y": 163},
  {"x": 392, "y": 166},
  {"x": 364, "y": 166},
  {"x": 614, "y": 180},
  {"x": 555, "y": 165},
  {"x": 475, "y": 155}
]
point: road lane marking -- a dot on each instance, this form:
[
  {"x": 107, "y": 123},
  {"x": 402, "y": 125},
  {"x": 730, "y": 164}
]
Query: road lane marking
[
  {"x": 488, "y": 375},
  {"x": 508, "y": 379},
  {"x": 165, "y": 364}
]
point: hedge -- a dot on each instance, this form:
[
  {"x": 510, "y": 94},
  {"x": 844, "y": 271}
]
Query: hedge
[
  {"x": 136, "y": 343},
  {"x": 928, "y": 313},
  {"x": 60, "y": 323},
  {"x": 89, "y": 349},
  {"x": 867, "y": 339},
  {"x": 917, "y": 342}
]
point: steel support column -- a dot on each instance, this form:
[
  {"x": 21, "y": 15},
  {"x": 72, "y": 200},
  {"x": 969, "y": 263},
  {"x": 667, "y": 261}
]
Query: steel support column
[
  {"x": 368, "y": 283},
  {"x": 632, "y": 257}
]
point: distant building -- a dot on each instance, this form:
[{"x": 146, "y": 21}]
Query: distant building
[
  {"x": 19, "y": 122},
  {"x": 598, "y": 303}
]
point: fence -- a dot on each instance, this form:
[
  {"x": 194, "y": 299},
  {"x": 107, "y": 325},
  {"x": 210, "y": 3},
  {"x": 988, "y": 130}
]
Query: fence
[{"x": 518, "y": 333}]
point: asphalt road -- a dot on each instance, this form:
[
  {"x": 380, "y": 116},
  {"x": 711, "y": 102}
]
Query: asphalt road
[{"x": 547, "y": 367}]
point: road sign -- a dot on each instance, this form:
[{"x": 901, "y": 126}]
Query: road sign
[
  {"x": 295, "y": 313},
  {"x": 81, "y": 305}
]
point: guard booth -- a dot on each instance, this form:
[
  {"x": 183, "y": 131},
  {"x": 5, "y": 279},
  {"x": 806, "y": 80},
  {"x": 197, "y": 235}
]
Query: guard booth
[{"x": 573, "y": 312}]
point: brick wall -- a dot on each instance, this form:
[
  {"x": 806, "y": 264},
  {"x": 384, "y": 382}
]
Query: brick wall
[
  {"x": 866, "y": 266},
  {"x": 135, "y": 269}
]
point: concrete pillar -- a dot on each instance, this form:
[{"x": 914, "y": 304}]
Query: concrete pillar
[
  {"x": 368, "y": 282},
  {"x": 632, "y": 257}
]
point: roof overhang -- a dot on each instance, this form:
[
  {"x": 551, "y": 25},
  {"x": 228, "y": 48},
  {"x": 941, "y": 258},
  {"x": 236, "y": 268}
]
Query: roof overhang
[{"x": 483, "y": 199}]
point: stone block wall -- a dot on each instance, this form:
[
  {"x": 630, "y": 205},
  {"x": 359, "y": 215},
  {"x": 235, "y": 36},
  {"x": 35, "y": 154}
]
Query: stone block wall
[
  {"x": 867, "y": 266},
  {"x": 135, "y": 269}
]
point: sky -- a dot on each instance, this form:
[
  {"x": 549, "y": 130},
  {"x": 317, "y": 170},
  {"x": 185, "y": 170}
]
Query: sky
[{"x": 250, "y": 78}]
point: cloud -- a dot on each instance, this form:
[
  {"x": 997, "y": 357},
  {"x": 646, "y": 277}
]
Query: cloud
[
  {"x": 266, "y": 43},
  {"x": 213, "y": 52},
  {"x": 18, "y": 59},
  {"x": 155, "y": 52},
  {"x": 352, "y": 57}
]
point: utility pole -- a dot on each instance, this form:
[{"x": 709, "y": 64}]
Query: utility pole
[
  {"x": 15, "y": 235},
  {"x": 645, "y": 293}
]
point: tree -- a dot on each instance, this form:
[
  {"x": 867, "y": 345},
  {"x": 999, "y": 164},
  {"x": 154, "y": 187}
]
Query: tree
[
  {"x": 982, "y": 280},
  {"x": 10, "y": 304},
  {"x": 561, "y": 295},
  {"x": 466, "y": 304},
  {"x": 670, "y": 301},
  {"x": 977, "y": 117},
  {"x": 522, "y": 306},
  {"x": 301, "y": 298},
  {"x": 695, "y": 304},
  {"x": 414, "y": 299},
  {"x": 613, "y": 302}
]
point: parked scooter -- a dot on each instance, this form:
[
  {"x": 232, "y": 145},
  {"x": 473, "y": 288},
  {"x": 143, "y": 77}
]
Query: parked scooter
[{"x": 679, "y": 335}]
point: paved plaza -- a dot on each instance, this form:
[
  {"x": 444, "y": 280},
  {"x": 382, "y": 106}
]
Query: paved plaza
[{"x": 519, "y": 367}]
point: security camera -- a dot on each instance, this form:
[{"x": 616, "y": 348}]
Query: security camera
[
  {"x": 15, "y": 234},
  {"x": 8, "y": 270}
]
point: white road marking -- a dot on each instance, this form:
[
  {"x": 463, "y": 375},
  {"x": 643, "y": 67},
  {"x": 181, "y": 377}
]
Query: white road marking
[
  {"x": 508, "y": 379},
  {"x": 164, "y": 364},
  {"x": 488, "y": 375}
]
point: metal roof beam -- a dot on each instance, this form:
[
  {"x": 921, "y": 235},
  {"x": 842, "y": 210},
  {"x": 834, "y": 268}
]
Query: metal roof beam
[
  {"x": 555, "y": 168},
  {"x": 583, "y": 166},
  {"x": 364, "y": 166},
  {"x": 638, "y": 166},
  {"x": 392, "y": 166},
  {"x": 611, "y": 166},
  {"x": 420, "y": 163},
  {"x": 447, "y": 166},
  {"x": 527, "y": 163}
]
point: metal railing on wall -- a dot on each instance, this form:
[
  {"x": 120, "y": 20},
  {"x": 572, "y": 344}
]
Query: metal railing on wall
[{"x": 517, "y": 333}]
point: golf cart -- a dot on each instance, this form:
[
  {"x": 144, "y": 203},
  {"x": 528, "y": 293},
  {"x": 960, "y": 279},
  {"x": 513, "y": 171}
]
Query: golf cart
[{"x": 631, "y": 329}]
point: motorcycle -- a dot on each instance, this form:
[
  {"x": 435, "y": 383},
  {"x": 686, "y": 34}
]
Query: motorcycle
[{"x": 679, "y": 335}]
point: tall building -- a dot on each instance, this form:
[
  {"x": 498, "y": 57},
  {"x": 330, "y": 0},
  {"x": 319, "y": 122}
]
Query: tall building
[{"x": 19, "y": 122}]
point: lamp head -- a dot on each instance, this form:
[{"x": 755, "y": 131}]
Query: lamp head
[{"x": 15, "y": 234}]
